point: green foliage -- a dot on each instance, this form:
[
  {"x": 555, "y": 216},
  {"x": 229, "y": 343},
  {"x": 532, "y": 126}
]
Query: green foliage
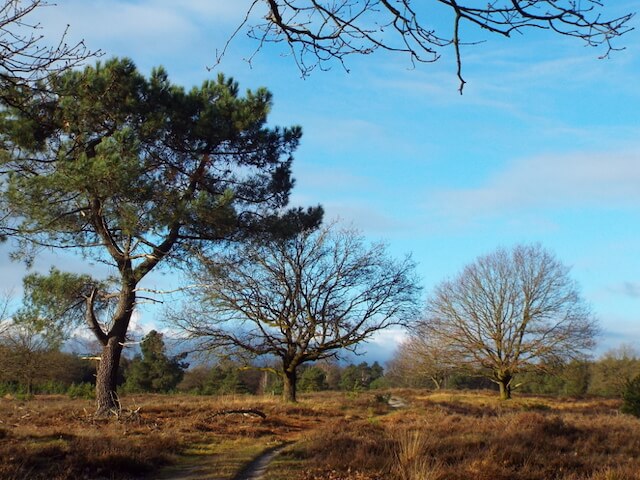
[
  {"x": 631, "y": 397},
  {"x": 539, "y": 383},
  {"x": 379, "y": 383},
  {"x": 217, "y": 380},
  {"x": 130, "y": 171},
  {"x": 275, "y": 386},
  {"x": 360, "y": 377},
  {"x": 31, "y": 362},
  {"x": 53, "y": 303},
  {"x": 232, "y": 383},
  {"x": 145, "y": 159},
  {"x": 154, "y": 371},
  {"x": 576, "y": 376},
  {"x": 469, "y": 380},
  {"x": 312, "y": 379},
  {"x": 86, "y": 391}
]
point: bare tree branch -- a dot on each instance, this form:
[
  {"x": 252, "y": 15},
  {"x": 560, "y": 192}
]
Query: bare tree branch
[
  {"x": 24, "y": 55},
  {"x": 318, "y": 32},
  {"x": 302, "y": 299}
]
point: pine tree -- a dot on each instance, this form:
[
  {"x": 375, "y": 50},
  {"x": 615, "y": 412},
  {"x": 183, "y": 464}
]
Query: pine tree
[
  {"x": 313, "y": 379},
  {"x": 154, "y": 371},
  {"x": 136, "y": 172}
]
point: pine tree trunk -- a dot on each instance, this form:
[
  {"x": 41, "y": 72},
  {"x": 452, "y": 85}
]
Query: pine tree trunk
[
  {"x": 107, "y": 374},
  {"x": 290, "y": 384},
  {"x": 107, "y": 377}
]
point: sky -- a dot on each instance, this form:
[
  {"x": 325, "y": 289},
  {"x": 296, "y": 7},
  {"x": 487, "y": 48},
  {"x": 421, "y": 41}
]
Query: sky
[{"x": 543, "y": 146}]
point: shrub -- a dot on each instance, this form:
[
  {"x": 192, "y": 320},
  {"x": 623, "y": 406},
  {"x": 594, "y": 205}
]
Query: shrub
[
  {"x": 82, "y": 390},
  {"x": 313, "y": 379},
  {"x": 631, "y": 397}
]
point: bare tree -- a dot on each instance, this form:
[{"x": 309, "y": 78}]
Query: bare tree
[
  {"x": 319, "y": 31},
  {"x": 421, "y": 359},
  {"x": 5, "y": 315},
  {"x": 27, "y": 347},
  {"x": 24, "y": 352},
  {"x": 301, "y": 299},
  {"x": 511, "y": 311},
  {"x": 614, "y": 370}
]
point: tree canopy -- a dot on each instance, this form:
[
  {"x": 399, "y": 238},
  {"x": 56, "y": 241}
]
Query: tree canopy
[
  {"x": 321, "y": 31},
  {"x": 134, "y": 172},
  {"x": 299, "y": 299},
  {"x": 508, "y": 312}
]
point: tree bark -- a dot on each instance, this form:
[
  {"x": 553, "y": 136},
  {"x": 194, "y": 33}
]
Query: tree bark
[
  {"x": 290, "y": 380},
  {"x": 107, "y": 374},
  {"x": 504, "y": 382},
  {"x": 107, "y": 377}
]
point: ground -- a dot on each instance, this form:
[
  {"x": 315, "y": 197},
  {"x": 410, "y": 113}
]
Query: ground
[{"x": 328, "y": 436}]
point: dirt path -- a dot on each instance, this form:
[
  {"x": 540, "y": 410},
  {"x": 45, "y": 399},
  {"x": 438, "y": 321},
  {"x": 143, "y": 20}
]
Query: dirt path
[
  {"x": 208, "y": 470},
  {"x": 255, "y": 470}
]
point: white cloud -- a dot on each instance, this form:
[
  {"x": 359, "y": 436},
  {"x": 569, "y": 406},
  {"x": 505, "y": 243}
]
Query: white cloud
[
  {"x": 578, "y": 180},
  {"x": 365, "y": 217},
  {"x": 390, "y": 337},
  {"x": 132, "y": 28}
]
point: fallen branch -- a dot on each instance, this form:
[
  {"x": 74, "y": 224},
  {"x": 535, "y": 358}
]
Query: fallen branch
[{"x": 246, "y": 412}]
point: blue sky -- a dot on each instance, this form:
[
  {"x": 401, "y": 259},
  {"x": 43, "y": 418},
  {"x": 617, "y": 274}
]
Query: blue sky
[{"x": 543, "y": 146}]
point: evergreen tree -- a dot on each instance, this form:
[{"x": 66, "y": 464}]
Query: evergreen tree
[
  {"x": 136, "y": 172},
  {"x": 313, "y": 379},
  {"x": 631, "y": 397},
  {"x": 232, "y": 383},
  {"x": 154, "y": 371},
  {"x": 359, "y": 377}
]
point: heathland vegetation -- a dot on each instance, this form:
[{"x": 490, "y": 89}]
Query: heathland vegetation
[
  {"x": 135, "y": 173},
  {"x": 330, "y": 435}
]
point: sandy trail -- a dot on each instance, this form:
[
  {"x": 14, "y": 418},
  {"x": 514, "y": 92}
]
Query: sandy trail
[
  {"x": 256, "y": 469},
  {"x": 204, "y": 470}
]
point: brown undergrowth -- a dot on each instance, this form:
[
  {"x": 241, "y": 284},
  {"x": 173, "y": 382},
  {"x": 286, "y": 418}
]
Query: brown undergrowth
[
  {"x": 331, "y": 436},
  {"x": 53, "y": 437},
  {"x": 461, "y": 436}
]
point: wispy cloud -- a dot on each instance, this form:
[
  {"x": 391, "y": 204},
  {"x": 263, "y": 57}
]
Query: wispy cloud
[
  {"x": 147, "y": 25},
  {"x": 627, "y": 289},
  {"x": 365, "y": 217},
  {"x": 336, "y": 134},
  {"x": 578, "y": 180}
]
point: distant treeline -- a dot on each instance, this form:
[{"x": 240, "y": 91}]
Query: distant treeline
[
  {"x": 27, "y": 371},
  {"x": 606, "y": 377}
]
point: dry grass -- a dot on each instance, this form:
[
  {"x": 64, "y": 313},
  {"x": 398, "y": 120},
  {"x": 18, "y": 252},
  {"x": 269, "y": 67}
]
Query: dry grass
[{"x": 452, "y": 436}]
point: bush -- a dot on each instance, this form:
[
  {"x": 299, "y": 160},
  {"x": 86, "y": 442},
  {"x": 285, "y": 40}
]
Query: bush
[
  {"x": 50, "y": 387},
  {"x": 82, "y": 390},
  {"x": 313, "y": 379},
  {"x": 379, "y": 383},
  {"x": 631, "y": 397}
]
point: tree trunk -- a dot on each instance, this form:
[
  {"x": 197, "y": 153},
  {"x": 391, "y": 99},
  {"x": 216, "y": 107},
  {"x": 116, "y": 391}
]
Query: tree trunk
[
  {"x": 107, "y": 377},
  {"x": 264, "y": 383},
  {"x": 113, "y": 342},
  {"x": 436, "y": 383},
  {"x": 504, "y": 383},
  {"x": 290, "y": 384}
]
